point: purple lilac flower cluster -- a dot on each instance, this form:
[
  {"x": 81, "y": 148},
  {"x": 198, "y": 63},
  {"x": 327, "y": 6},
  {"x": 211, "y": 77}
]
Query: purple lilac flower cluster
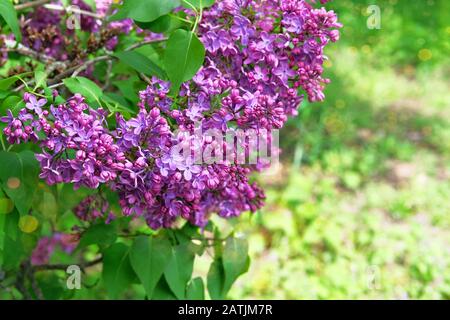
[
  {"x": 92, "y": 208},
  {"x": 260, "y": 54},
  {"x": 43, "y": 32},
  {"x": 47, "y": 245}
]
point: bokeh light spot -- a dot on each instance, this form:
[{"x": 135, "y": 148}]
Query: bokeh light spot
[
  {"x": 6, "y": 206},
  {"x": 28, "y": 224},
  {"x": 13, "y": 183},
  {"x": 425, "y": 54}
]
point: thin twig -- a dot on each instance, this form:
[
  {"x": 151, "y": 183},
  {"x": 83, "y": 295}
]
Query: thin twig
[
  {"x": 76, "y": 70},
  {"x": 20, "y": 282},
  {"x": 145, "y": 78},
  {"x": 34, "y": 285},
  {"x": 31, "y": 4},
  {"x": 143, "y": 43},
  {"x": 86, "y": 64},
  {"x": 53, "y": 267},
  {"x": 108, "y": 75},
  {"x": 72, "y": 9},
  {"x": 23, "y": 50}
]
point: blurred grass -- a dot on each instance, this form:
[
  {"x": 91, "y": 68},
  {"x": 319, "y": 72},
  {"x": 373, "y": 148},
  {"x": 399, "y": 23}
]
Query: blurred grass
[{"x": 360, "y": 208}]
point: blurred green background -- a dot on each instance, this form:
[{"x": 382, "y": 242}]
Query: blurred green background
[{"x": 361, "y": 206}]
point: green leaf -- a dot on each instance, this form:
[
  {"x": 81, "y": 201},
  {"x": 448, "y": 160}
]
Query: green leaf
[
  {"x": 13, "y": 253},
  {"x": 5, "y": 84},
  {"x": 163, "y": 24},
  {"x": 183, "y": 57},
  {"x": 235, "y": 261},
  {"x": 224, "y": 271},
  {"x": 149, "y": 258},
  {"x": 85, "y": 87},
  {"x": 11, "y": 248},
  {"x": 19, "y": 177},
  {"x": 101, "y": 234},
  {"x": 40, "y": 78},
  {"x": 128, "y": 88},
  {"x": 197, "y": 3},
  {"x": 162, "y": 291},
  {"x": 216, "y": 280},
  {"x": 145, "y": 10},
  {"x": 196, "y": 290},
  {"x": 117, "y": 271},
  {"x": 140, "y": 63},
  {"x": 179, "y": 270},
  {"x": 13, "y": 103},
  {"x": 6, "y": 206},
  {"x": 8, "y": 13},
  {"x": 92, "y": 4}
]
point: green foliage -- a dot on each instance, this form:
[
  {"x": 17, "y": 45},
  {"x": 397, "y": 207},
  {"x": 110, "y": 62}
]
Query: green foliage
[
  {"x": 86, "y": 87},
  {"x": 195, "y": 290},
  {"x": 197, "y": 3},
  {"x": 140, "y": 63},
  {"x": 18, "y": 174},
  {"x": 184, "y": 56},
  {"x": 149, "y": 258},
  {"x": 145, "y": 10},
  {"x": 117, "y": 271},
  {"x": 230, "y": 262},
  {"x": 358, "y": 210},
  {"x": 8, "y": 13},
  {"x": 178, "y": 271},
  {"x": 100, "y": 234}
]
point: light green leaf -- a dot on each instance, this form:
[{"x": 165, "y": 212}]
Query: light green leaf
[
  {"x": 5, "y": 84},
  {"x": 163, "y": 24},
  {"x": 197, "y": 3},
  {"x": 235, "y": 261},
  {"x": 40, "y": 78},
  {"x": 183, "y": 57},
  {"x": 86, "y": 88},
  {"x": 149, "y": 258},
  {"x": 13, "y": 103},
  {"x": 145, "y": 10},
  {"x": 8, "y": 13}
]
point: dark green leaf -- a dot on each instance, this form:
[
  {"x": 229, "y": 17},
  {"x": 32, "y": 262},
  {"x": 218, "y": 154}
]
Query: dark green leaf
[
  {"x": 184, "y": 56},
  {"x": 196, "y": 290},
  {"x": 117, "y": 271},
  {"x": 140, "y": 63},
  {"x": 162, "y": 291},
  {"x": 216, "y": 280},
  {"x": 179, "y": 270},
  {"x": 19, "y": 177},
  {"x": 101, "y": 234},
  {"x": 128, "y": 89},
  {"x": 149, "y": 257}
]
